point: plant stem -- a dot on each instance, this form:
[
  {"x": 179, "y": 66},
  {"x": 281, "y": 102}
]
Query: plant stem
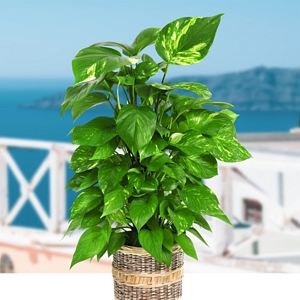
[
  {"x": 118, "y": 97},
  {"x": 165, "y": 73},
  {"x": 164, "y": 108},
  {"x": 124, "y": 90}
]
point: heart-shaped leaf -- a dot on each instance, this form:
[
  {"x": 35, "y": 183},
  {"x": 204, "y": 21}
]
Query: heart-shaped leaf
[
  {"x": 136, "y": 126},
  {"x": 86, "y": 201},
  {"x": 154, "y": 146},
  {"x": 158, "y": 160},
  {"x": 80, "y": 160},
  {"x": 91, "y": 242},
  {"x": 94, "y": 61},
  {"x": 186, "y": 41},
  {"x": 145, "y": 38},
  {"x": 88, "y": 102},
  {"x": 199, "y": 199},
  {"x": 106, "y": 150},
  {"x": 142, "y": 209},
  {"x": 203, "y": 166},
  {"x": 110, "y": 174},
  {"x": 115, "y": 199},
  {"x": 116, "y": 241},
  {"x": 168, "y": 239},
  {"x": 151, "y": 241},
  {"x": 77, "y": 92},
  {"x": 182, "y": 219},
  {"x": 186, "y": 245},
  {"x": 94, "y": 133}
]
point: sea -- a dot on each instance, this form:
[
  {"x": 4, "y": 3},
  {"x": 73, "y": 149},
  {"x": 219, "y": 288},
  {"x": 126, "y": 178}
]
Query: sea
[{"x": 46, "y": 125}]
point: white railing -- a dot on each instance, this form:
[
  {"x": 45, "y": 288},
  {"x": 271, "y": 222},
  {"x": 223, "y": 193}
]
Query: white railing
[{"x": 58, "y": 156}]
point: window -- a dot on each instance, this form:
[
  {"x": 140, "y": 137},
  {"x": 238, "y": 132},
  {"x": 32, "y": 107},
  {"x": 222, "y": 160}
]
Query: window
[{"x": 252, "y": 211}]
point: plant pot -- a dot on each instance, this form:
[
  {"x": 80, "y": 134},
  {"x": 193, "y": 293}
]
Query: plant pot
[{"x": 138, "y": 276}]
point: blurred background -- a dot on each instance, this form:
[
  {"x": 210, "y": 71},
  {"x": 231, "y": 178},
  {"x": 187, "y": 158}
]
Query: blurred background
[{"x": 254, "y": 64}]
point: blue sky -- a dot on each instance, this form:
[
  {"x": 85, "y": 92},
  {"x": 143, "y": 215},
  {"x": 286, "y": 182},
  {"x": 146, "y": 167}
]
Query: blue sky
[{"x": 40, "y": 38}]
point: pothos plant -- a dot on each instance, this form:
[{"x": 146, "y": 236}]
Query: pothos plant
[{"x": 140, "y": 172}]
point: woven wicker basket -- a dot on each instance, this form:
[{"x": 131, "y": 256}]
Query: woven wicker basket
[{"x": 138, "y": 276}]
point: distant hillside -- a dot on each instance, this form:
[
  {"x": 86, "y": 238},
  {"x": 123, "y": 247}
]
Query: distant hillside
[
  {"x": 259, "y": 89},
  {"x": 52, "y": 102},
  {"x": 262, "y": 89}
]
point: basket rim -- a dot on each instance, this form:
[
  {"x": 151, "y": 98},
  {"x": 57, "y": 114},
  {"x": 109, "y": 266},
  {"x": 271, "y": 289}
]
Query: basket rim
[{"x": 141, "y": 251}]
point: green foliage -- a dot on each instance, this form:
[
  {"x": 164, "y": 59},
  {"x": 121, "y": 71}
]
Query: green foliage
[{"x": 141, "y": 172}]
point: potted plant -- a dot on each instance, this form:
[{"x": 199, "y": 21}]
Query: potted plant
[{"x": 140, "y": 172}]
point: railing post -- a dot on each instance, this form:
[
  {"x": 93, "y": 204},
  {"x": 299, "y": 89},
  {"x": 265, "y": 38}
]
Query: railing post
[
  {"x": 3, "y": 188},
  {"x": 57, "y": 189}
]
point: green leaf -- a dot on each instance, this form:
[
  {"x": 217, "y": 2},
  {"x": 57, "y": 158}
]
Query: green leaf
[
  {"x": 204, "y": 166},
  {"x": 88, "y": 102},
  {"x": 146, "y": 69},
  {"x": 153, "y": 223},
  {"x": 82, "y": 180},
  {"x": 145, "y": 38},
  {"x": 186, "y": 245},
  {"x": 94, "y": 61},
  {"x": 163, "y": 209},
  {"x": 146, "y": 91},
  {"x": 169, "y": 184},
  {"x": 190, "y": 143},
  {"x": 80, "y": 160},
  {"x": 110, "y": 174},
  {"x": 197, "y": 234},
  {"x": 168, "y": 239},
  {"x": 214, "y": 103},
  {"x": 218, "y": 213},
  {"x": 74, "y": 224},
  {"x": 92, "y": 217},
  {"x": 101, "y": 253},
  {"x": 136, "y": 178},
  {"x": 187, "y": 103},
  {"x": 115, "y": 199},
  {"x": 141, "y": 210},
  {"x": 90, "y": 179},
  {"x": 136, "y": 126},
  {"x": 127, "y": 49},
  {"x": 166, "y": 256},
  {"x": 157, "y": 161},
  {"x": 199, "y": 199},
  {"x": 116, "y": 241},
  {"x": 195, "y": 87},
  {"x": 174, "y": 171},
  {"x": 150, "y": 185},
  {"x": 187, "y": 41},
  {"x": 118, "y": 216},
  {"x": 95, "y": 133},
  {"x": 226, "y": 147},
  {"x": 207, "y": 122},
  {"x": 152, "y": 242},
  {"x": 154, "y": 146},
  {"x": 162, "y": 131},
  {"x": 106, "y": 150},
  {"x": 91, "y": 242},
  {"x": 86, "y": 201},
  {"x": 182, "y": 219},
  {"x": 147, "y": 58},
  {"x": 233, "y": 116},
  {"x": 202, "y": 222},
  {"x": 126, "y": 80},
  {"x": 76, "y": 93}
]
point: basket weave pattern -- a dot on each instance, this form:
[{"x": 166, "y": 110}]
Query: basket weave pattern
[{"x": 138, "y": 276}]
